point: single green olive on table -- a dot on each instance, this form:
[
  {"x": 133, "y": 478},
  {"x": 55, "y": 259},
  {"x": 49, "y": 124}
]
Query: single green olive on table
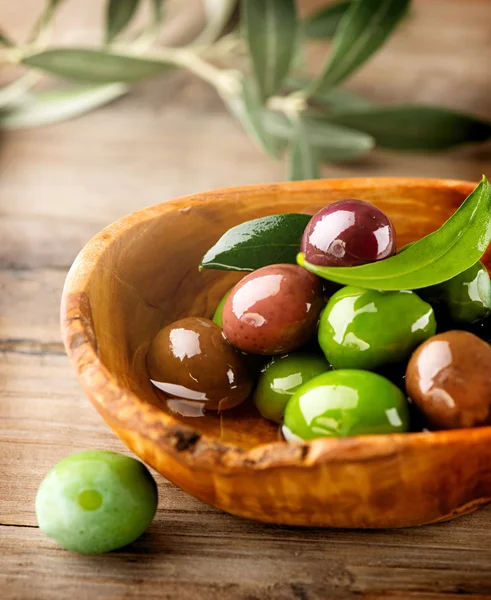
[
  {"x": 96, "y": 501},
  {"x": 382, "y": 306}
]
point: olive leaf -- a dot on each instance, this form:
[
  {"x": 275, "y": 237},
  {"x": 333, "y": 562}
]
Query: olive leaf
[
  {"x": 95, "y": 66},
  {"x": 331, "y": 142},
  {"x": 53, "y": 106},
  {"x": 118, "y": 15},
  {"x": 332, "y": 99},
  {"x": 270, "y": 28},
  {"x": 414, "y": 127},
  {"x": 363, "y": 29},
  {"x": 158, "y": 12},
  {"x": 13, "y": 93},
  {"x": 5, "y": 41},
  {"x": 303, "y": 162},
  {"x": 323, "y": 23},
  {"x": 44, "y": 19},
  {"x": 245, "y": 104},
  {"x": 257, "y": 243},
  {"x": 457, "y": 245}
]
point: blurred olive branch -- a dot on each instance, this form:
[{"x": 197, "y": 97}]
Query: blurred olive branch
[{"x": 255, "y": 67}]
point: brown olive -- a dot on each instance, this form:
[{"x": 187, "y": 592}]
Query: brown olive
[
  {"x": 191, "y": 359},
  {"x": 273, "y": 310},
  {"x": 449, "y": 379}
]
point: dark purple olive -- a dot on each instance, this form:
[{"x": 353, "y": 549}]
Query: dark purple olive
[{"x": 348, "y": 233}]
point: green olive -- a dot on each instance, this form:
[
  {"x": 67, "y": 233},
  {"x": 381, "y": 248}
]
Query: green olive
[
  {"x": 217, "y": 316},
  {"x": 464, "y": 299},
  {"x": 343, "y": 403},
  {"x": 368, "y": 329},
  {"x": 281, "y": 378},
  {"x": 96, "y": 501}
]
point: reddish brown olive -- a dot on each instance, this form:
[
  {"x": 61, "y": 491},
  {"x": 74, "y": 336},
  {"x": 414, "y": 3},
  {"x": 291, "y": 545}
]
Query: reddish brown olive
[
  {"x": 191, "y": 359},
  {"x": 449, "y": 379},
  {"x": 273, "y": 310}
]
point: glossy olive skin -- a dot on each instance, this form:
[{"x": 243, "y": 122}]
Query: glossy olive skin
[
  {"x": 273, "y": 310},
  {"x": 344, "y": 403},
  {"x": 191, "y": 359},
  {"x": 96, "y": 501},
  {"x": 449, "y": 380},
  {"x": 368, "y": 329},
  {"x": 348, "y": 233},
  {"x": 217, "y": 316},
  {"x": 462, "y": 300},
  {"x": 281, "y": 378}
]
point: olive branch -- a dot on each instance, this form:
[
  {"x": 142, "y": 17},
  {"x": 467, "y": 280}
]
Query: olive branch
[{"x": 251, "y": 53}]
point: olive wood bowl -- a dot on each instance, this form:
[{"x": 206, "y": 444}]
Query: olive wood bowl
[{"x": 141, "y": 273}]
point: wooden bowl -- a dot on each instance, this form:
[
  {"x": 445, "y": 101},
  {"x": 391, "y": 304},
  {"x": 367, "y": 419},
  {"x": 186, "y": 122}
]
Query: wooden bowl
[{"x": 142, "y": 273}]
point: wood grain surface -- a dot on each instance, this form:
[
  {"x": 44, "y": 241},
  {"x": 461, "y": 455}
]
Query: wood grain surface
[{"x": 58, "y": 187}]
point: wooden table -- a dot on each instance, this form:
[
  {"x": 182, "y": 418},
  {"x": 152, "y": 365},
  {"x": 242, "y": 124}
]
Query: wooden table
[{"x": 59, "y": 186}]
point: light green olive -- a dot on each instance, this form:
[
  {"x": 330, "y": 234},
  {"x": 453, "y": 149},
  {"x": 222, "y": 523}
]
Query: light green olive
[
  {"x": 96, "y": 501},
  {"x": 368, "y": 329},
  {"x": 282, "y": 377},
  {"x": 217, "y": 316},
  {"x": 344, "y": 403}
]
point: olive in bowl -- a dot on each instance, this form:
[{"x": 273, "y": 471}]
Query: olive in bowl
[
  {"x": 282, "y": 377},
  {"x": 463, "y": 300},
  {"x": 273, "y": 310},
  {"x": 191, "y": 359},
  {"x": 348, "y": 233},
  {"x": 368, "y": 329},
  {"x": 344, "y": 403},
  {"x": 449, "y": 380}
]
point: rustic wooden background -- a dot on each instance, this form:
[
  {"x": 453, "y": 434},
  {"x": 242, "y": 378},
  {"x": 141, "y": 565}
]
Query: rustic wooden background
[{"x": 59, "y": 185}]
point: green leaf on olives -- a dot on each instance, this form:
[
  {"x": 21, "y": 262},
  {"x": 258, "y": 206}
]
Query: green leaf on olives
[{"x": 258, "y": 243}]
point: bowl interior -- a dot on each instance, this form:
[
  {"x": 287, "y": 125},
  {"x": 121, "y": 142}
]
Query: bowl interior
[{"x": 147, "y": 276}]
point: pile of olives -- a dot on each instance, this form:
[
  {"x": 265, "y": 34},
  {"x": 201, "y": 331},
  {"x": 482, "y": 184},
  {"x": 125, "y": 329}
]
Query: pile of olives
[{"x": 338, "y": 362}]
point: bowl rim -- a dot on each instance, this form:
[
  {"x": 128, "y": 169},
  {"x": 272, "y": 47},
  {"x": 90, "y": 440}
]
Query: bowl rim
[{"x": 126, "y": 412}]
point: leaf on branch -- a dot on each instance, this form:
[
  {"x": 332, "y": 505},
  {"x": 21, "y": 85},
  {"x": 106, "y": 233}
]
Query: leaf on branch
[
  {"x": 332, "y": 99},
  {"x": 95, "y": 66},
  {"x": 415, "y": 127},
  {"x": 118, "y": 16},
  {"x": 5, "y": 41},
  {"x": 158, "y": 12},
  {"x": 322, "y": 24},
  {"x": 363, "y": 29},
  {"x": 54, "y": 106},
  {"x": 270, "y": 28},
  {"x": 331, "y": 142},
  {"x": 303, "y": 161},
  {"x": 246, "y": 106}
]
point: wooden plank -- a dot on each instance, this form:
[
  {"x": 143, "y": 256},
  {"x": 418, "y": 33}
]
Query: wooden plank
[{"x": 182, "y": 551}]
